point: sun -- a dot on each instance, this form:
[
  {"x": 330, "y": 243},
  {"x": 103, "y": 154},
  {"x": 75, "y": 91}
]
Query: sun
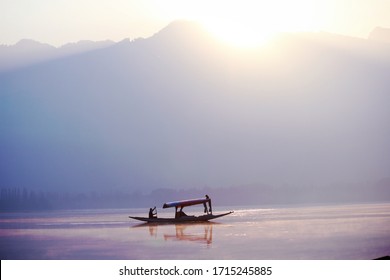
[
  {"x": 240, "y": 34},
  {"x": 250, "y": 23},
  {"x": 254, "y": 23}
]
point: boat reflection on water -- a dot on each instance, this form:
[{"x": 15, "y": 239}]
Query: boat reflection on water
[
  {"x": 196, "y": 232},
  {"x": 180, "y": 235}
]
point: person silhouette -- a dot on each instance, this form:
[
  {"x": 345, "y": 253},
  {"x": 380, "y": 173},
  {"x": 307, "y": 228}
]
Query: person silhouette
[
  {"x": 152, "y": 213},
  {"x": 180, "y": 213},
  {"x": 208, "y": 211}
]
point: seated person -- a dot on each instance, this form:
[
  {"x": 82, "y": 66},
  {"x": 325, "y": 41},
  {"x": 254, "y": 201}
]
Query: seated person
[
  {"x": 180, "y": 213},
  {"x": 152, "y": 213}
]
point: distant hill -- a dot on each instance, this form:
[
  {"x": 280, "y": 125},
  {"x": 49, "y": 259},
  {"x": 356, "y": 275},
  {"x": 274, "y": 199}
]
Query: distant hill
[
  {"x": 380, "y": 34},
  {"x": 27, "y": 52},
  {"x": 182, "y": 110}
]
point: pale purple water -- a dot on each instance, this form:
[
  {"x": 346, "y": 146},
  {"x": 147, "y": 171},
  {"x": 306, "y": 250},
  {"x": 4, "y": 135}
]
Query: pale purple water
[{"x": 316, "y": 232}]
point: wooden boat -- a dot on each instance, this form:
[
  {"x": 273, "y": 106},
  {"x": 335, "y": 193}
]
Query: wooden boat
[
  {"x": 180, "y": 216},
  {"x": 186, "y": 219}
]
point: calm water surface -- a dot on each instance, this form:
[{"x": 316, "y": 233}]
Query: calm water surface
[{"x": 316, "y": 232}]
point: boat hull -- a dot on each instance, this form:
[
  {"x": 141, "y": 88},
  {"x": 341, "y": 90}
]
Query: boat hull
[{"x": 185, "y": 219}]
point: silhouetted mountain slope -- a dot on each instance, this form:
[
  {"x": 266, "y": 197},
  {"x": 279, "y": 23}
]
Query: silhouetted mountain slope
[
  {"x": 181, "y": 110},
  {"x": 380, "y": 34},
  {"x": 28, "y": 52}
]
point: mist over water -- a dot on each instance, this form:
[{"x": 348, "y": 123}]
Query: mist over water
[
  {"x": 356, "y": 231},
  {"x": 179, "y": 115}
]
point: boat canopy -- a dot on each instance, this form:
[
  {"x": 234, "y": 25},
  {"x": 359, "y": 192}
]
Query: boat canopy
[{"x": 188, "y": 202}]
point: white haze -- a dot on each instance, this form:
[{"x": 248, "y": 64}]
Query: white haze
[{"x": 181, "y": 110}]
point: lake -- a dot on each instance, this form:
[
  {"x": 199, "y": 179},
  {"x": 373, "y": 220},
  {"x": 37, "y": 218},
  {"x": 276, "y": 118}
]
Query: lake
[{"x": 331, "y": 232}]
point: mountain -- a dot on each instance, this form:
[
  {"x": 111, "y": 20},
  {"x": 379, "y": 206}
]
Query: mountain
[
  {"x": 23, "y": 53},
  {"x": 27, "y": 52},
  {"x": 182, "y": 110},
  {"x": 380, "y": 34}
]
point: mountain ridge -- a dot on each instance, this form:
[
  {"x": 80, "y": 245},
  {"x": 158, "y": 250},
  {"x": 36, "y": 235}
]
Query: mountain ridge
[
  {"x": 27, "y": 52},
  {"x": 138, "y": 115},
  {"x": 380, "y": 34}
]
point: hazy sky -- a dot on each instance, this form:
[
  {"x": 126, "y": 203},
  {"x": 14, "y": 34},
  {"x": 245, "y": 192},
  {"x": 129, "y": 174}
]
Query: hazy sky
[{"x": 61, "y": 21}]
